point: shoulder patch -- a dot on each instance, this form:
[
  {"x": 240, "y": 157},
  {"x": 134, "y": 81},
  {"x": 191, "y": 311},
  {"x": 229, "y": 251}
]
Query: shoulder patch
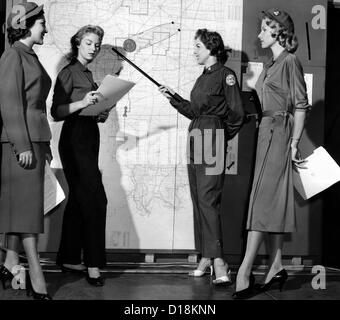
[{"x": 231, "y": 80}]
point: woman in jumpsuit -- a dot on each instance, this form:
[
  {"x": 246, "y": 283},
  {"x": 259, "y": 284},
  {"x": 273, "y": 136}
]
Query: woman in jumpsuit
[
  {"x": 85, "y": 214},
  {"x": 282, "y": 91},
  {"x": 216, "y": 113},
  {"x": 25, "y": 139}
]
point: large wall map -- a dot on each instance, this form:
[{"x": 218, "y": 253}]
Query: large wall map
[{"x": 143, "y": 142}]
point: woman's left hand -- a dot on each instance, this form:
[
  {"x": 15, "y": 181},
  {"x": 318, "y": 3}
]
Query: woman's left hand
[
  {"x": 296, "y": 158},
  {"x": 102, "y": 117},
  {"x": 49, "y": 156}
]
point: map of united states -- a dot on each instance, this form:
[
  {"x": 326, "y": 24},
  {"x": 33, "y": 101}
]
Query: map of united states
[{"x": 143, "y": 143}]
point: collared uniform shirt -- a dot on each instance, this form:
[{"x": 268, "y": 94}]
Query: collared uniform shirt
[
  {"x": 23, "y": 92},
  {"x": 215, "y": 108},
  {"x": 215, "y": 101},
  {"x": 281, "y": 85},
  {"x": 73, "y": 83}
]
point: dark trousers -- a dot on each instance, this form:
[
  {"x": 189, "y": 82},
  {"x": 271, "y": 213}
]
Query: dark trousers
[
  {"x": 84, "y": 219},
  {"x": 206, "y": 192}
]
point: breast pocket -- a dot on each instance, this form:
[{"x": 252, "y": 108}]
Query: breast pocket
[
  {"x": 215, "y": 89},
  {"x": 216, "y": 94}
]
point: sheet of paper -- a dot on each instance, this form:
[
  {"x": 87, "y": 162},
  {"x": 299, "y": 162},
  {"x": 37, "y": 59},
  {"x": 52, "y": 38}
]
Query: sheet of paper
[
  {"x": 321, "y": 172},
  {"x": 111, "y": 91},
  {"x": 309, "y": 85},
  {"x": 232, "y": 156},
  {"x": 53, "y": 193}
]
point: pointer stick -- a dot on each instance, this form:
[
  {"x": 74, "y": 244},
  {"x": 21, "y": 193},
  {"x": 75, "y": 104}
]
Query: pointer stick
[{"x": 141, "y": 71}]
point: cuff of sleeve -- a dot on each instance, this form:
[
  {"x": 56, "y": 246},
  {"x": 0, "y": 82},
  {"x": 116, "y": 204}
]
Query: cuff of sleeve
[
  {"x": 303, "y": 109},
  {"x": 17, "y": 149},
  {"x": 176, "y": 99}
]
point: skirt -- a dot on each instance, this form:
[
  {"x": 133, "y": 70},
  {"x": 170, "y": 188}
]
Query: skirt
[
  {"x": 22, "y": 192},
  {"x": 272, "y": 205}
]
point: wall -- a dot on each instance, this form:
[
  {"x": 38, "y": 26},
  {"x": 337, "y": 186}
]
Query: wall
[
  {"x": 149, "y": 206},
  {"x": 331, "y": 217}
]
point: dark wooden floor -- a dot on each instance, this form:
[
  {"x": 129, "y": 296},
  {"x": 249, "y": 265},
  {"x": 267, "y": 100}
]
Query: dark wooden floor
[{"x": 166, "y": 281}]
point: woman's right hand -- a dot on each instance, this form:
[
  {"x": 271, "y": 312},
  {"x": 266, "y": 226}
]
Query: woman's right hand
[
  {"x": 90, "y": 99},
  {"x": 25, "y": 159},
  {"x": 164, "y": 90}
]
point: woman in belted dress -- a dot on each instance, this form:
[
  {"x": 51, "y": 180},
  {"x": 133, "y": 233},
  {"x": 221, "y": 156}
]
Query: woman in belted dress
[
  {"x": 215, "y": 108},
  {"x": 282, "y": 92}
]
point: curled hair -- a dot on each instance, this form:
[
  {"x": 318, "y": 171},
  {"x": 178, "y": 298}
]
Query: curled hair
[
  {"x": 78, "y": 37},
  {"x": 213, "y": 42},
  {"x": 15, "y": 34},
  {"x": 286, "y": 38}
]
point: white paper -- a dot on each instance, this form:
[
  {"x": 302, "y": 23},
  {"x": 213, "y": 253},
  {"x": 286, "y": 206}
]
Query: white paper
[
  {"x": 321, "y": 172},
  {"x": 232, "y": 156},
  {"x": 309, "y": 85},
  {"x": 111, "y": 91},
  {"x": 53, "y": 193}
]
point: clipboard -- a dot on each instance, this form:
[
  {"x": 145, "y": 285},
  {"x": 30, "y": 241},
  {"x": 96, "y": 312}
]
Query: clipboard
[
  {"x": 321, "y": 172},
  {"x": 110, "y": 92}
]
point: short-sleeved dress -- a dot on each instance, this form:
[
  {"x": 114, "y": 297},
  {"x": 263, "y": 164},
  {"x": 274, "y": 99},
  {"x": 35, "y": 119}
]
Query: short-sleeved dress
[{"x": 281, "y": 89}]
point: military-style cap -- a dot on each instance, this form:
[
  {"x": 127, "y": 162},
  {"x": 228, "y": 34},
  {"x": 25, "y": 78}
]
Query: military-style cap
[
  {"x": 281, "y": 17},
  {"x": 21, "y": 12}
]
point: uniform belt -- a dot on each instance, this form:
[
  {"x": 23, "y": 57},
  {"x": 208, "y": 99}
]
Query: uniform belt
[
  {"x": 271, "y": 113},
  {"x": 208, "y": 116},
  {"x": 285, "y": 114}
]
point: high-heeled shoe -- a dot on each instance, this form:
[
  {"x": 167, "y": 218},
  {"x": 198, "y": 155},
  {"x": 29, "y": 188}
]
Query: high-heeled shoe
[
  {"x": 280, "y": 278},
  {"x": 247, "y": 292},
  {"x": 224, "y": 280},
  {"x": 5, "y": 276},
  {"x": 96, "y": 282},
  {"x": 30, "y": 291},
  {"x": 201, "y": 269}
]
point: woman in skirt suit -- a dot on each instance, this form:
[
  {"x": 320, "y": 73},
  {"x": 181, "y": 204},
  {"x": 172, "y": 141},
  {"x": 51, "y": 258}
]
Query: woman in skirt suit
[
  {"x": 282, "y": 92},
  {"x": 25, "y": 136}
]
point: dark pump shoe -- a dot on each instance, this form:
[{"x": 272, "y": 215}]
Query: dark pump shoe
[
  {"x": 247, "y": 292},
  {"x": 5, "y": 277},
  {"x": 36, "y": 295},
  {"x": 280, "y": 278},
  {"x": 96, "y": 282}
]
